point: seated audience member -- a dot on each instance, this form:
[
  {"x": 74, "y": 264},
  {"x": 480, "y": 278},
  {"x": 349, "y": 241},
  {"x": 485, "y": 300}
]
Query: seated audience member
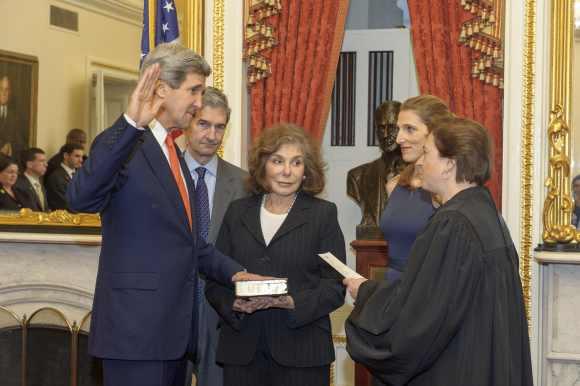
[
  {"x": 29, "y": 183},
  {"x": 576, "y": 194},
  {"x": 457, "y": 315},
  {"x": 279, "y": 231},
  {"x": 58, "y": 180},
  {"x": 75, "y": 136},
  {"x": 10, "y": 199}
]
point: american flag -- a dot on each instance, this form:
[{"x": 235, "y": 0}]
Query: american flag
[{"x": 159, "y": 24}]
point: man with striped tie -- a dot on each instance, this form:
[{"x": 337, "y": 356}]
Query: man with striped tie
[{"x": 217, "y": 183}]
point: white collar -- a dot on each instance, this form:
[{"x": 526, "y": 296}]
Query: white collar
[
  {"x": 31, "y": 178},
  {"x": 192, "y": 163},
  {"x": 70, "y": 171},
  {"x": 159, "y": 132}
]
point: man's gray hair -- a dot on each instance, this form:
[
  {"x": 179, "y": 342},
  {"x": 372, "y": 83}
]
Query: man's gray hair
[
  {"x": 176, "y": 63},
  {"x": 214, "y": 98}
]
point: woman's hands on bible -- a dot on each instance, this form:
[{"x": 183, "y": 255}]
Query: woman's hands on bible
[{"x": 253, "y": 304}]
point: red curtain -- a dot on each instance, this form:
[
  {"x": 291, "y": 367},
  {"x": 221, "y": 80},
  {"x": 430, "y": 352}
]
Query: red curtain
[
  {"x": 303, "y": 66},
  {"x": 444, "y": 69}
]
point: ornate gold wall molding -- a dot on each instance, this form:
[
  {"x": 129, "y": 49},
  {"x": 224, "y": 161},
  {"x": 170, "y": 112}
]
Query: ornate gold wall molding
[
  {"x": 260, "y": 36},
  {"x": 58, "y": 218},
  {"x": 218, "y": 44},
  {"x": 527, "y": 146},
  {"x": 558, "y": 205},
  {"x": 484, "y": 35},
  {"x": 192, "y": 14}
]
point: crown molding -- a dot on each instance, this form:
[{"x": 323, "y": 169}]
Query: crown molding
[{"x": 129, "y": 11}]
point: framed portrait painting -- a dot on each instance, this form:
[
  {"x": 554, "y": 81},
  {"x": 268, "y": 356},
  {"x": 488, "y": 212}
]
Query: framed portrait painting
[{"x": 18, "y": 102}]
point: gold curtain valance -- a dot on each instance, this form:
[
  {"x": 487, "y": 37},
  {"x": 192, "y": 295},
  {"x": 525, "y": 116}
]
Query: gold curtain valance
[
  {"x": 484, "y": 34},
  {"x": 260, "y": 36}
]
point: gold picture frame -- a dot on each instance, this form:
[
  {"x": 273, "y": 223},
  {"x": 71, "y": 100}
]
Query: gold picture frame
[{"x": 19, "y": 79}]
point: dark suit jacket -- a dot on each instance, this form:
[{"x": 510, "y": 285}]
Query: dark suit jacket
[
  {"x": 229, "y": 187},
  {"x": 55, "y": 161},
  {"x": 29, "y": 196},
  {"x": 53, "y": 164},
  {"x": 7, "y": 202},
  {"x": 56, "y": 185},
  {"x": 299, "y": 337},
  {"x": 144, "y": 306},
  {"x": 14, "y": 130}
]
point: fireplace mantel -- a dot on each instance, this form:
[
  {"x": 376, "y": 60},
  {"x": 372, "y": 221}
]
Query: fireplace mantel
[{"x": 50, "y": 272}]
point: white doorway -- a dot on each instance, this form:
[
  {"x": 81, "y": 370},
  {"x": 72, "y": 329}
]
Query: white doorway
[
  {"x": 110, "y": 90},
  {"x": 363, "y": 44}
]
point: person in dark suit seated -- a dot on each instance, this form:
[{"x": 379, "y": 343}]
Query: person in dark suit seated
[
  {"x": 576, "y": 198},
  {"x": 457, "y": 315},
  {"x": 29, "y": 183},
  {"x": 74, "y": 137},
  {"x": 278, "y": 232},
  {"x": 145, "y": 309},
  {"x": 10, "y": 198},
  {"x": 56, "y": 183}
]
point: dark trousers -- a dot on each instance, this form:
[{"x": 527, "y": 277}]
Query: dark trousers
[
  {"x": 118, "y": 372},
  {"x": 207, "y": 371},
  {"x": 264, "y": 371}
]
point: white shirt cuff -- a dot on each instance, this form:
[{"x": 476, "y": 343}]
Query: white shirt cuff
[{"x": 132, "y": 122}]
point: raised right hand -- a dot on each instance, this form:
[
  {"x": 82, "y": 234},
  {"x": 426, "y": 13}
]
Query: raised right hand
[{"x": 143, "y": 103}]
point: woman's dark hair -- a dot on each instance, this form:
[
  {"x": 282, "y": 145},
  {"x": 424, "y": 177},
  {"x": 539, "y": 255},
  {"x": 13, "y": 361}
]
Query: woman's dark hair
[
  {"x": 469, "y": 144},
  {"x": 429, "y": 109},
  {"x": 6, "y": 161},
  {"x": 269, "y": 141}
]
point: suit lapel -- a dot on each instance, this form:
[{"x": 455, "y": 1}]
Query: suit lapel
[
  {"x": 251, "y": 219},
  {"x": 296, "y": 218},
  {"x": 32, "y": 192},
  {"x": 35, "y": 195},
  {"x": 190, "y": 184},
  {"x": 45, "y": 197},
  {"x": 66, "y": 176},
  {"x": 222, "y": 195},
  {"x": 162, "y": 171}
]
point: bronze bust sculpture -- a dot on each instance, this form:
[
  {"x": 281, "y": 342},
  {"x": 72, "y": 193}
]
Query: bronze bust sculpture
[{"x": 366, "y": 183}]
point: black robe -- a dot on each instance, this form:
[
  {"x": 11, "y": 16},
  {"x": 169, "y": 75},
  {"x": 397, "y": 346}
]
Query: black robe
[{"x": 457, "y": 316}]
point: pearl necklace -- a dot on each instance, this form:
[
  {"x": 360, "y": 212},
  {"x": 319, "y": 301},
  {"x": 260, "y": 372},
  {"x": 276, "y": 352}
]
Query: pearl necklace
[{"x": 264, "y": 199}]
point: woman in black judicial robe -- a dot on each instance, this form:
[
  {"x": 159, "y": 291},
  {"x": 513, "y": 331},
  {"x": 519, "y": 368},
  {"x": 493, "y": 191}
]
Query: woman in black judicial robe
[{"x": 457, "y": 317}]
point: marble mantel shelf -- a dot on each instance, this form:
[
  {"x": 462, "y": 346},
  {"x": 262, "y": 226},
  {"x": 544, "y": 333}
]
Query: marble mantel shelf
[
  {"x": 557, "y": 257},
  {"x": 47, "y": 238}
]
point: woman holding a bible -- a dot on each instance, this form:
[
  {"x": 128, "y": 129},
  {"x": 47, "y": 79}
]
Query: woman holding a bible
[{"x": 279, "y": 231}]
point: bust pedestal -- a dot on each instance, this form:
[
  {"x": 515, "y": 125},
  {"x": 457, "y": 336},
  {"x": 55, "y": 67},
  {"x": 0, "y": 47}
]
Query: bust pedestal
[
  {"x": 371, "y": 262},
  {"x": 559, "y": 301}
]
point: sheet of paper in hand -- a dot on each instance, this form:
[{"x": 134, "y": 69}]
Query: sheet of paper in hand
[
  {"x": 339, "y": 266},
  {"x": 272, "y": 287}
]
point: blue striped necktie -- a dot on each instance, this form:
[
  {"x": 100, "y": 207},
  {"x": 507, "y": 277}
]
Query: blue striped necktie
[
  {"x": 202, "y": 204},
  {"x": 202, "y": 221}
]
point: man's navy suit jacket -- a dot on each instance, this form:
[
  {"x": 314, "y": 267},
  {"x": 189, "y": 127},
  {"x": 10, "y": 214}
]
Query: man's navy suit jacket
[{"x": 144, "y": 306}]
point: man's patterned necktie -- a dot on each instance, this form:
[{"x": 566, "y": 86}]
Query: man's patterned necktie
[
  {"x": 202, "y": 204},
  {"x": 202, "y": 220}
]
